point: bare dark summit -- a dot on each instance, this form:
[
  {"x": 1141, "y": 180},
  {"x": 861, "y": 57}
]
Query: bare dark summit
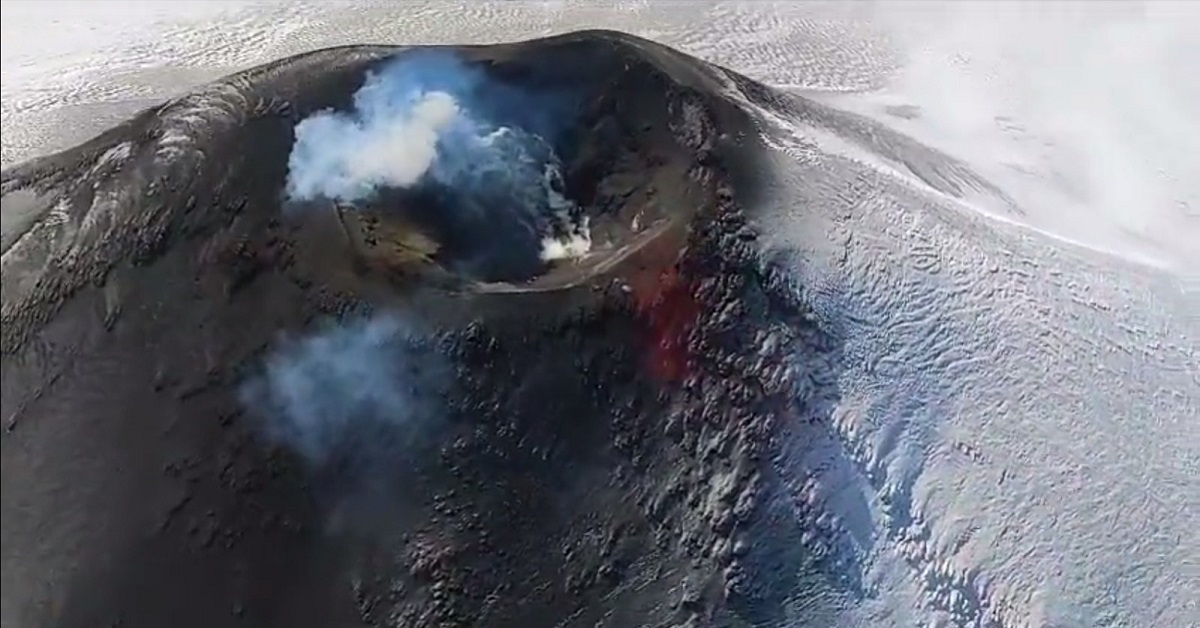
[{"x": 597, "y": 458}]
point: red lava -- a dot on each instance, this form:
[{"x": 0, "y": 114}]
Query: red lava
[{"x": 671, "y": 311}]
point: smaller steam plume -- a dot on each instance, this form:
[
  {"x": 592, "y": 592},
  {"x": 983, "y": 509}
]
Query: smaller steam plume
[
  {"x": 356, "y": 395},
  {"x": 482, "y": 156}
]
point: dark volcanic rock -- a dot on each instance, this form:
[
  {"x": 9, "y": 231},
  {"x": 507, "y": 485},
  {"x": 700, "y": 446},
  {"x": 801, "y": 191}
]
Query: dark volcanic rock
[{"x": 602, "y": 457}]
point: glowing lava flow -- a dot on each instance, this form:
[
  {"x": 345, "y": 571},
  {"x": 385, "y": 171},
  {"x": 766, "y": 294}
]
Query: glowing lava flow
[{"x": 671, "y": 311}]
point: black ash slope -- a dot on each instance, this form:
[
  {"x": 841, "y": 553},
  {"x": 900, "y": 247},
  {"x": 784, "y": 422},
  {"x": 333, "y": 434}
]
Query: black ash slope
[{"x": 599, "y": 462}]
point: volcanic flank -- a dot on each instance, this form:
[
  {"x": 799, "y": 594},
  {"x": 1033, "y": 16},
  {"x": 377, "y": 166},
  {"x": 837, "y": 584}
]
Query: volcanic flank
[{"x": 394, "y": 336}]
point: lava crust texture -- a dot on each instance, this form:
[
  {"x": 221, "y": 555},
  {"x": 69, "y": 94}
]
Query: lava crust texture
[{"x": 442, "y": 336}]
